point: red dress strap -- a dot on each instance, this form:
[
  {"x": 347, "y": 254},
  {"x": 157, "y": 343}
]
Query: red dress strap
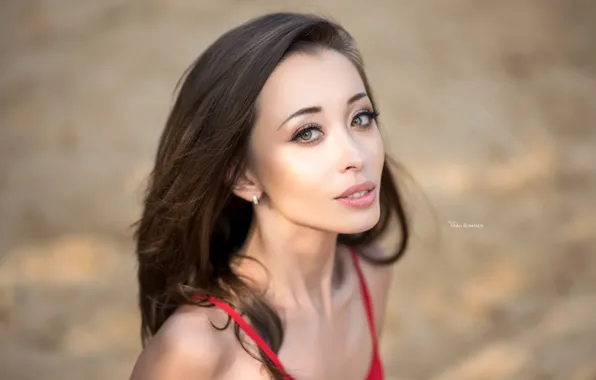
[
  {"x": 247, "y": 328},
  {"x": 366, "y": 295},
  {"x": 376, "y": 368}
]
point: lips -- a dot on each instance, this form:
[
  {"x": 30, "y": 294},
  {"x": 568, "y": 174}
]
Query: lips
[{"x": 357, "y": 190}]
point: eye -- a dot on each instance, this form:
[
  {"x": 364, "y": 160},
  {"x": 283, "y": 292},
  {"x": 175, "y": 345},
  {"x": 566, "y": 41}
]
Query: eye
[
  {"x": 307, "y": 134},
  {"x": 363, "y": 119}
]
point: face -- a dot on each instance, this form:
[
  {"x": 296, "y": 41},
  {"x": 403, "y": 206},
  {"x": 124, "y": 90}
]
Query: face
[{"x": 316, "y": 153}]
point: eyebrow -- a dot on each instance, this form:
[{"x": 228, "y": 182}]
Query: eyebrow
[{"x": 316, "y": 109}]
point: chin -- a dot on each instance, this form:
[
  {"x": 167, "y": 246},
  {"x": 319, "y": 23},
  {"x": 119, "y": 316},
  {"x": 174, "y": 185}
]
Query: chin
[{"x": 359, "y": 222}]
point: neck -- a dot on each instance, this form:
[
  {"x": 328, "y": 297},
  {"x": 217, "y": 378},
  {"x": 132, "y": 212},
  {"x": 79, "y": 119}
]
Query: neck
[{"x": 301, "y": 265}]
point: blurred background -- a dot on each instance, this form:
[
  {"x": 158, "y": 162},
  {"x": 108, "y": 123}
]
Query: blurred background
[{"x": 490, "y": 106}]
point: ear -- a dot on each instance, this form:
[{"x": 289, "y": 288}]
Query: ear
[{"x": 247, "y": 186}]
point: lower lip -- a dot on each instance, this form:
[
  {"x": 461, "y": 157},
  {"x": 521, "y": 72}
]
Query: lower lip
[{"x": 361, "y": 202}]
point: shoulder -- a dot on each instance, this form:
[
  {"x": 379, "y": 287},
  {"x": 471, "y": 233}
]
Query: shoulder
[{"x": 187, "y": 346}]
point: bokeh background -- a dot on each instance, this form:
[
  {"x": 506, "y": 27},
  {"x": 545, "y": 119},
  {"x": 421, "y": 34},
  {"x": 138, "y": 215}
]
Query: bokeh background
[{"x": 490, "y": 105}]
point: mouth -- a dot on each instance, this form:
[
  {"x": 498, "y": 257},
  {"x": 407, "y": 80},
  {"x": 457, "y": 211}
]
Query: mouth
[
  {"x": 358, "y": 194},
  {"x": 357, "y": 191},
  {"x": 361, "y": 199}
]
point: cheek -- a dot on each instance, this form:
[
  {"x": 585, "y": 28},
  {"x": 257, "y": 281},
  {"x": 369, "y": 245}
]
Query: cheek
[
  {"x": 376, "y": 149},
  {"x": 287, "y": 174}
]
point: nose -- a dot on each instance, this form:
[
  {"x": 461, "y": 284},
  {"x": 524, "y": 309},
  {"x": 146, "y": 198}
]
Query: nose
[{"x": 351, "y": 157}]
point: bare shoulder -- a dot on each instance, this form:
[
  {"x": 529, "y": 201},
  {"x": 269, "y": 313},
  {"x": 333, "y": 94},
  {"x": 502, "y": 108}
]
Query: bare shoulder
[{"x": 186, "y": 347}]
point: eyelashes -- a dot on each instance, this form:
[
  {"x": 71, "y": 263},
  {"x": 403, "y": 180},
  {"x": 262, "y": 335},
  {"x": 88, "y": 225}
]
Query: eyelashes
[
  {"x": 370, "y": 114},
  {"x": 304, "y": 134},
  {"x": 311, "y": 133}
]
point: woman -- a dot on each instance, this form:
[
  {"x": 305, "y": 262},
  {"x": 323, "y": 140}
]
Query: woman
[{"x": 257, "y": 247}]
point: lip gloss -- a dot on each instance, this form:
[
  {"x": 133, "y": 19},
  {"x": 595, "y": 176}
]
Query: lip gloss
[{"x": 360, "y": 202}]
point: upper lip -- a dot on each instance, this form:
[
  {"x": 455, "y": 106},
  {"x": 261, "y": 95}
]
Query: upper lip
[{"x": 364, "y": 186}]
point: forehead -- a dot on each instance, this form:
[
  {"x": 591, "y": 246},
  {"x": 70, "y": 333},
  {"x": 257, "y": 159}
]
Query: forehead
[{"x": 320, "y": 78}]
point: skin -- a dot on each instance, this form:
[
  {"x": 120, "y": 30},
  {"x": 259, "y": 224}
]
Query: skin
[{"x": 312, "y": 281}]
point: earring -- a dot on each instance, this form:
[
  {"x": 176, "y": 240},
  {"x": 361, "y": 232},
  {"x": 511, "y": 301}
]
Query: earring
[{"x": 255, "y": 200}]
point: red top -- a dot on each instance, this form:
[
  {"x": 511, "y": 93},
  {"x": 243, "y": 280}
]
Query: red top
[{"x": 376, "y": 369}]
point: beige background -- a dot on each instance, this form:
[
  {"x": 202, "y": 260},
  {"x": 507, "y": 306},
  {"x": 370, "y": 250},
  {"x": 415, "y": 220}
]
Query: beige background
[{"x": 489, "y": 104}]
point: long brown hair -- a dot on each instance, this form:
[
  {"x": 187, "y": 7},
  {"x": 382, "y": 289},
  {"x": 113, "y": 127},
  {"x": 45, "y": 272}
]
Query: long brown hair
[{"x": 192, "y": 225}]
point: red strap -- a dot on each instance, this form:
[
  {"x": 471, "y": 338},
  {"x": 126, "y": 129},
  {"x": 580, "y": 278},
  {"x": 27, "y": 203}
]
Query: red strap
[
  {"x": 247, "y": 329},
  {"x": 263, "y": 346},
  {"x": 366, "y": 296}
]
